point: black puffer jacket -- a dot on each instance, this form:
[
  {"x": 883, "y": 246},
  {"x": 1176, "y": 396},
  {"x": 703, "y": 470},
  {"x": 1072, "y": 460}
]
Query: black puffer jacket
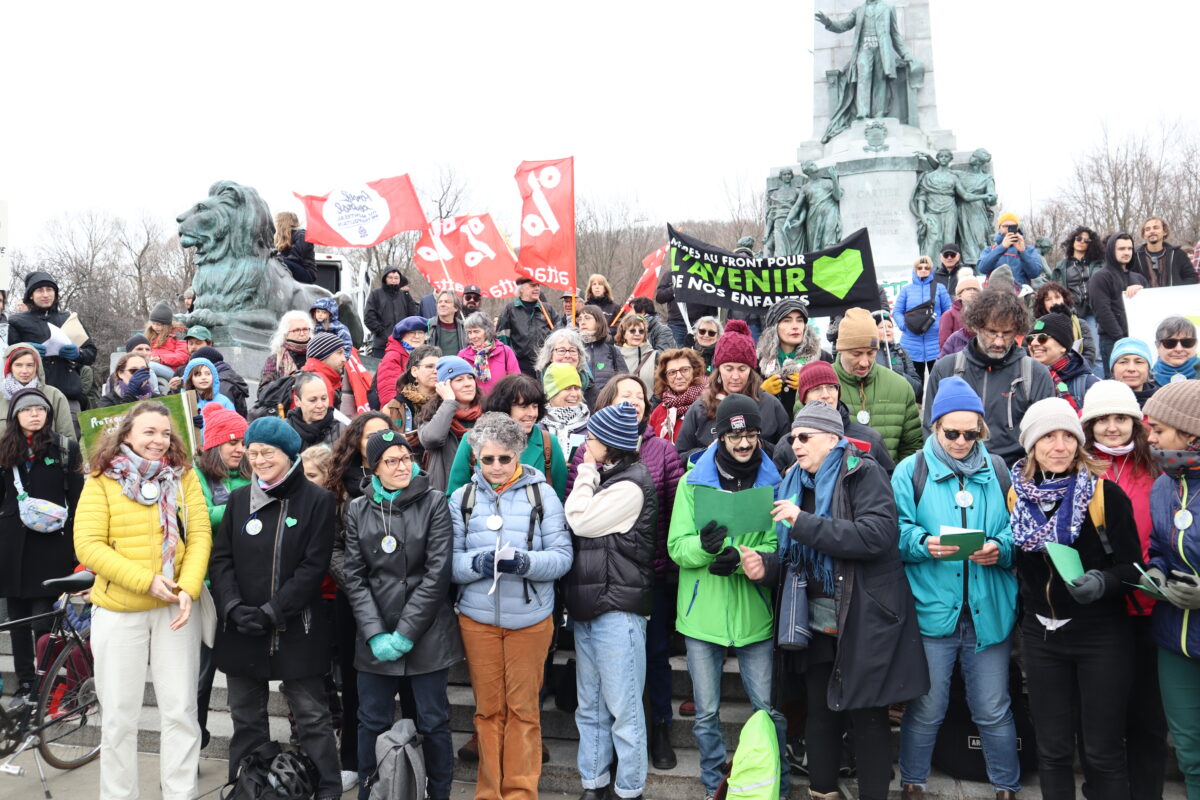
[
  {"x": 616, "y": 572},
  {"x": 406, "y": 591},
  {"x": 524, "y": 327},
  {"x": 386, "y": 306},
  {"x": 33, "y": 327},
  {"x": 280, "y": 568}
]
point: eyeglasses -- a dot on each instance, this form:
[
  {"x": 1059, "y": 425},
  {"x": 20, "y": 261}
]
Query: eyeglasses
[
  {"x": 300, "y": 330},
  {"x": 1040, "y": 338},
  {"x": 803, "y": 438},
  {"x": 1171, "y": 344},
  {"x": 705, "y": 332},
  {"x": 1083, "y": 239},
  {"x": 969, "y": 436},
  {"x": 262, "y": 455},
  {"x": 393, "y": 463},
  {"x": 747, "y": 436},
  {"x": 989, "y": 335},
  {"x": 677, "y": 373},
  {"x": 504, "y": 460},
  {"x": 564, "y": 351},
  {"x": 432, "y": 365}
]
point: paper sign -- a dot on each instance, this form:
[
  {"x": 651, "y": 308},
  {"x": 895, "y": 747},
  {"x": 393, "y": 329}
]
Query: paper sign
[
  {"x": 1066, "y": 561},
  {"x": 502, "y": 554},
  {"x": 75, "y": 331},
  {"x": 741, "y": 512},
  {"x": 95, "y": 423},
  {"x": 1157, "y": 591},
  {"x": 967, "y": 541},
  {"x": 57, "y": 339}
]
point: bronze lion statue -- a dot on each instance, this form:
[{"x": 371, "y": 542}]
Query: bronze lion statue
[{"x": 240, "y": 289}]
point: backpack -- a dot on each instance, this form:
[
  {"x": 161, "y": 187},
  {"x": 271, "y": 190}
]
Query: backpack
[
  {"x": 921, "y": 474},
  {"x": 274, "y": 399},
  {"x": 400, "y": 764},
  {"x": 533, "y": 493},
  {"x": 958, "y": 750},
  {"x": 960, "y": 367},
  {"x": 546, "y": 454}
]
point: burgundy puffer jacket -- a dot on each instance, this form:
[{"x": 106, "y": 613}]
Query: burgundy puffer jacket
[{"x": 661, "y": 458}]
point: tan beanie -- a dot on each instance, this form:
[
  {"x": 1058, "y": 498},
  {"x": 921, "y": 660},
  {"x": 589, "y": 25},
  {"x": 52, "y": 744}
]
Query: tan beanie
[
  {"x": 857, "y": 329},
  {"x": 1178, "y": 405}
]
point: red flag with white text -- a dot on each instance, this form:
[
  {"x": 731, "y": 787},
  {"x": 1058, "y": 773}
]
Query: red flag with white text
[
  {"x": 548, "y": 221},
  {"x": 363, "y": 215},
  {"x": 651, "y": 269},
  {"x": 453, "y": 253},
  {"x": 360, "y": 382}
]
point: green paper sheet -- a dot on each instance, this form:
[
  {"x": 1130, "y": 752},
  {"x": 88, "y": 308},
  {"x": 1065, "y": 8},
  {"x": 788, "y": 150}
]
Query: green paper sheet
[
  {"x": 1066, "y": 560},
  {"x": 967, "y": 541},
  {"x": 741, "y": 512}
]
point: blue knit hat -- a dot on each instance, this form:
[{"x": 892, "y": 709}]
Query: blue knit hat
[
  {"x": 275, "y": 432},
  {"x": 1130, "y": 346},
  {"x": 450, "y": 367},
  {"x": 616, "y": 427},
  {"x": 955, "y": 394},
  {"x": 408, "y": 325}
]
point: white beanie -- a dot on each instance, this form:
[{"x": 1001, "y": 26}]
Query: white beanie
[
  {"x": 1109, "y": 397},
  {"x": 1047, "y": 416}
]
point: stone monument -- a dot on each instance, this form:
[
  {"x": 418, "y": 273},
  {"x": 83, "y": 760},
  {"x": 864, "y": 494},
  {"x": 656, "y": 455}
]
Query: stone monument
[{"x": 876, "y": 159}]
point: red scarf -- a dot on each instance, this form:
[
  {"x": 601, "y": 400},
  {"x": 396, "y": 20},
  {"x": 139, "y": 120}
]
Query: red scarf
[
  {"x": 1060, "y": 385},
  {"x": 464, "y": 415}
]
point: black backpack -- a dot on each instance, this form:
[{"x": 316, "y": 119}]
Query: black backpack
[
  {"x": 274, "y": 399},
  {"x": 958, "y": 751}
]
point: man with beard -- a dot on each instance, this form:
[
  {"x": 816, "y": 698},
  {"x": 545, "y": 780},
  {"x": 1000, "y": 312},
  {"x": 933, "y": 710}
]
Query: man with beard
[
  {"x": 472, "y": 297},
  {"x": 1007, "y": 380},
  {"x": 1163, "y": 263},
  {"x": 386, "y": 306}
]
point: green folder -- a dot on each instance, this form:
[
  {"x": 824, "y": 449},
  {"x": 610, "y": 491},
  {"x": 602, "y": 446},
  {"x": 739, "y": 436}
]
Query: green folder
[
  {"x": 741, "y": 512},
  {"x": 1065, "y": 560},
  {"x": 967, "y": 541}
]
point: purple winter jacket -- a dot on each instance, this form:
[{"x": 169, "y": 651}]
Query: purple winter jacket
[{"x": 662, "y": 459}]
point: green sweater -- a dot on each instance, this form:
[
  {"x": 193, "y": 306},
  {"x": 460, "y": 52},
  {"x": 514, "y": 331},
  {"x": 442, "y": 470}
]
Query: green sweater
[
  {"x": 533, "y": 455},
  {"x": 216, "y": 513},
  {"x": 890, "y": 400}
]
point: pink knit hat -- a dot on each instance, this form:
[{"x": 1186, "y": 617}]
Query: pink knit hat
[
  {"x": 735, "y": 345},
  {"x": 221, "y": 425}
]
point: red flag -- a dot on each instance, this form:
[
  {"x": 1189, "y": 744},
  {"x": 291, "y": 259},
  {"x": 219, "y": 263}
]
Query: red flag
[
  {"x": 652, "y": 265},
  {"x": 453, "y": 253},
  {"x": 363, "y": 215},
  {"x": 548, "y": 221},
  {"x": 360, "y": 382}
]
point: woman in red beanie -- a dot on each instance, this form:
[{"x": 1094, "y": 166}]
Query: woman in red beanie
[{"x": 734, "y": 363}]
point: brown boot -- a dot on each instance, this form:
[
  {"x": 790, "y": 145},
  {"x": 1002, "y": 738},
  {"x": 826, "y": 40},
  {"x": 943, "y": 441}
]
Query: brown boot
[
  {"x": 912, "y": 791},
  {"x": 1005, "y": 794}
]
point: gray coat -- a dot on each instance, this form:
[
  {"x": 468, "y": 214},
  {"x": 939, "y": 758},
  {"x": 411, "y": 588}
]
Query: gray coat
[
  {"x": 440, "y": 444},
  {"x": 408, "y": 590}
]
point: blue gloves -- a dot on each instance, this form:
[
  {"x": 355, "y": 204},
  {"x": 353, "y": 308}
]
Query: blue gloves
[
  {"x": 402, "y": 644},
  {"x": 138, "y": 380},
  {"x": 384, "y": 648},
  {"x": 198, "y": 421},
  {"x": 69, "y": 351},
  {"x": 41, "y": 348},
  {"x": 484, "y": 562},
  {"x": 1088, "y": 587},
  {"x": 517, "y": 565}
]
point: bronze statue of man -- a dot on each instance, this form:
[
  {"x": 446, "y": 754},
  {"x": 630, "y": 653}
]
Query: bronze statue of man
[{"x": 867, "y": 79}]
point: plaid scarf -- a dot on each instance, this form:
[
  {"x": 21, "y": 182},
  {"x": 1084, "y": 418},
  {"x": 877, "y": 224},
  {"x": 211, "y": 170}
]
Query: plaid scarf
[
  {"x": 133, "y": 472},
  {"x": 482, "y": 370},
  {"x": 675, "y": 403},
  {"x": 1031, "y": 527},
  {"x": 1060, "y": 384}
]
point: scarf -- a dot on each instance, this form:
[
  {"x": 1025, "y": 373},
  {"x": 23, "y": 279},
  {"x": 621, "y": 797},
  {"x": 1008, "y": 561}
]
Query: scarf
[
  {"x": 380, "y": 494},
  {"x": 12, "y": 385},
  {"x": 816, "y": 564},
  {"x": 413, "y": 395},
  {"x": 459, "y": 426},
  {"x": 1060, "y": 384},
  {"x": 516, "y": 476},
  {"x": 567, "y": 417},
  {"x": 741, "y": 473},
  {"x": 408, "y": 346},
  {"x": 310, "y": 432},
  {"x": 483, "y": 370},
  {"x": 1164, "y": 373},
  {"x": 677, "y": 403},
  {"x": 1031, "y": 527},
  {"x": 133, "y": 472},
  {"x": 1123, "y": 450},
  {"x": 1178, "y": 463},
  {"x": 587, "y": 336},
  {"x": 292, "y": 358},
  {"x": 965, "y": 467}
]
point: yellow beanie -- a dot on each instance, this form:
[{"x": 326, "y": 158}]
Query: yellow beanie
[{"x": 1008, "y": 217}]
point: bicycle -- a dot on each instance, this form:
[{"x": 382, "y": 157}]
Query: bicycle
[{"x": 63, "y": 720}]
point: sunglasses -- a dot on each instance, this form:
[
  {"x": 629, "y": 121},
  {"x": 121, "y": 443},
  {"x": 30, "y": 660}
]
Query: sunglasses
[
  {"x": 1083, "y": 239},
  {"x": 803, "y": 438},
  {"x": 1171, "y": 344},
  {"x": 487, "y": 461},
  {"x": 950, "y": 254},
  {"x": 705, "y": 332},
  {"x": 969, "y": 436},
  {"x": 1040, "y": 338}
]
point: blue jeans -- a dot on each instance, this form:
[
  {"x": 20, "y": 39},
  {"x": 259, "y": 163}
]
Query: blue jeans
[
  {"x": 986, "y": 676},
  {"x": 681, "y": 332},
  {"x": 658, "y": 646},
  {"x": 376, "y": 710},
  {"x": 705, "y": 663},
  {"x": 610, "y": 674}
]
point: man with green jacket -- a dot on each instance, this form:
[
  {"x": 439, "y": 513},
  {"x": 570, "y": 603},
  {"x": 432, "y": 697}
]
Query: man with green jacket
[
  {"x": 875, "y": 395},
  {"x": 718, "y": 606}
]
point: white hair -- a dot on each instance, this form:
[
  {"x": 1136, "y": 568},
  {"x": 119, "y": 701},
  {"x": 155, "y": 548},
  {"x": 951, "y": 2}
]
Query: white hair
[{"x": 285, "y": 324}]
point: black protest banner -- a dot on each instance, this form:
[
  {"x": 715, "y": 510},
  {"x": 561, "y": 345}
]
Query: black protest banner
[{"x": 833, "y": 279}]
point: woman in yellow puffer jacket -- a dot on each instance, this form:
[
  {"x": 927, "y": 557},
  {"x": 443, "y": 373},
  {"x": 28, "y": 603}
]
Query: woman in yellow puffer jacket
[{"x": 142, "y": 526}]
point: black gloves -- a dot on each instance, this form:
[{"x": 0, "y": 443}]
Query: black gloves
[
  {"x": 250, "y": 621},
  {"x": 726, "y": 563},
  {"x": 712, "y": 537}
]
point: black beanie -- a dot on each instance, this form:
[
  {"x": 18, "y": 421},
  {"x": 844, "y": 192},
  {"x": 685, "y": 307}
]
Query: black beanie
[
  {"x": 1058, "y": 327},
  {"x": 379, "y": 443},
  {"x": 737, "y": 412}
]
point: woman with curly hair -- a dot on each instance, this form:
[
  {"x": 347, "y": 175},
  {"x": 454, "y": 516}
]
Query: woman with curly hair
[
  {"x": 599, "y": 294},
  {"x": 288, "y": 347},
  {"x": 415, "y": 388},
  {"x": 633, "y": 342},
  {"x": 565, "y": 346},
  {"x": 679, "y": 379}
]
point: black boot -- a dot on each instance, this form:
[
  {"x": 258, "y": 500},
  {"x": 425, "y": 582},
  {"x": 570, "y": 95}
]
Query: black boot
[
  {"x": 662, "y": 755},
  {"x": 595, "y": 794}
]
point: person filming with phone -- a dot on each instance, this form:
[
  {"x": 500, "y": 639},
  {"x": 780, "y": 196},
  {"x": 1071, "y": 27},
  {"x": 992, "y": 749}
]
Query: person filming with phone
[{"x": 1011, "y": 250}]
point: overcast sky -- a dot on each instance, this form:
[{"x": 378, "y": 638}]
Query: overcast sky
[{"x": 669, "y": 107}]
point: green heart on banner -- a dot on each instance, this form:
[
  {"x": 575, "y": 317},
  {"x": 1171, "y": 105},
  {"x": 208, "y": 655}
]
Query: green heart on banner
[
  {"x": 291, "y": 522},
  {"x": 838, "y": 275}
]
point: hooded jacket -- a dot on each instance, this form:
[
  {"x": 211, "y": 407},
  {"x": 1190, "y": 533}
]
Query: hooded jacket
[
  {"x": 217, "y": 397},
  {"x": 921, "y": 346},
  {"x": 1172, "y": 549},
  {"x": 233, "y": 385},
  {"x": 1075, "y": 275},
  {"x": 510, "y": 606},
  {"x": 1025, "y": 266},
  {"x": 407, "y": 590},
  {"x": 1078, "y": 377},
  {"x": 33, "y": 326},
  {"x": 725, "y": 610},
  {"x": 890, "y": 401},
  {"x": 60, "y": 409},
  {"x": 329, "y": 305},
  {"x": 999, "y": 386},
  {"x": 386, "y": 306},
  {"x": 1174, "y": 266},
  {"x": 1106, "y": 290},
  {"x": 767, "y": 351}
]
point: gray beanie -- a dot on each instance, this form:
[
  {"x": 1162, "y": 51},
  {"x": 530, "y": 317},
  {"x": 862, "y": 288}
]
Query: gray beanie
[
  {"x": 162, "y": 313},
  {"x": 1047, "y": 416},
  {"x": 784, "y": 307},
  {"x": 821, "y": 417}
]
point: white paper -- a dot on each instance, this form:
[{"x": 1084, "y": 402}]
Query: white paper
[
  {"x": 503, "y": 553},
  {"x": 56, "y": 341},
  {"x": 945, "y": 529}
]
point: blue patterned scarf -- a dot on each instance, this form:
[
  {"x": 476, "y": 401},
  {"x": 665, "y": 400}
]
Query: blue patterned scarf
[{"x": 1031, "y": 527}]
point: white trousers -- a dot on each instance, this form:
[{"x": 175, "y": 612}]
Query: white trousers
[{"x": 123, "y": 644}]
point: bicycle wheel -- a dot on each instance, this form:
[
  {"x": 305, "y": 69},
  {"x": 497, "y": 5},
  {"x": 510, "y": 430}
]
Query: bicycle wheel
[{"x": 68, "y": 709}]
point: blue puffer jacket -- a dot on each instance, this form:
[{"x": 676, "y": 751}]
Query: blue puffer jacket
[
  {"x": 937, "y": 585},
  {"x": 921, "y": 346},
  {"x": 332, "y": 326},
  {"x": 1171, "y": 549},
  {"x": 218, "y": 398},
  {"x": 1025, "y": 266},
  {"x": 549, "y": 558}
]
